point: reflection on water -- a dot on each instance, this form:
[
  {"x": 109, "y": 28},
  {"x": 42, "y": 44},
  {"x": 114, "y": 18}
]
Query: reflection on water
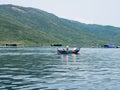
[
  {"x": 41, "y": 68},
  {"x": 69, "y": 58}
]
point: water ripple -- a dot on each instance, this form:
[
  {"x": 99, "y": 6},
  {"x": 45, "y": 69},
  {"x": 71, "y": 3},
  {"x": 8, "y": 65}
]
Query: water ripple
[{"x": 40, "y": 68}]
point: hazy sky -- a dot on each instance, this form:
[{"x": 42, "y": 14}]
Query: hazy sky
[{"x": 104, "y": 12}]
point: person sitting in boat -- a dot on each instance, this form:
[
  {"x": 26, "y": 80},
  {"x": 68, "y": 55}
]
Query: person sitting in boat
[
  {"x": 67, "y": 47},
  {"x": 73, "y": 50}
]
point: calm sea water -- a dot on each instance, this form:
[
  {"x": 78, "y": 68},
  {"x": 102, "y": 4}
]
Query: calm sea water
[{"x": 41, "y": 68}]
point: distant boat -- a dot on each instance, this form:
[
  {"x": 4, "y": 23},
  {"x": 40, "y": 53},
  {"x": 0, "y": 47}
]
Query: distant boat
[
  {"x": 109, "y": 46},
  {"x": 68, "y": 51},
  {"x": 8, "y": 45},
  {"x": 56, "y": 44}
]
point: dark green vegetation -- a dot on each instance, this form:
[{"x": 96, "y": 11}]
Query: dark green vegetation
[{"x": 31, "y": 26}]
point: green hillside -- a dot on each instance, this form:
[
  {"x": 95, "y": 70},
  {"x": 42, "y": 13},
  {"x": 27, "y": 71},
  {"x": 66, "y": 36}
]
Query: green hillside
[{"x": 31, "y": 26}]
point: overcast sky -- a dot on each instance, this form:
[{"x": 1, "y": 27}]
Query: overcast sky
[{"x": 104, "y": 12}]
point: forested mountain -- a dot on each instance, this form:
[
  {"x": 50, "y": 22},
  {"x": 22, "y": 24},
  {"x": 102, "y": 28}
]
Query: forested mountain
[{"x": 29, "y": 26}]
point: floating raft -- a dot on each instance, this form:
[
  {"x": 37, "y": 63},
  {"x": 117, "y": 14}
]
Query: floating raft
[{"x": 68, "y": 51}]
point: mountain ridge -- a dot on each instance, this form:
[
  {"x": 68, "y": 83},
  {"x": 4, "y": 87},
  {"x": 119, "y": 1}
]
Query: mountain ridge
[{"x": 37, "y": 27}]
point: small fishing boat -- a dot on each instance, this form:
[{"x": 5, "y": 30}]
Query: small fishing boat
[{"x": 63, "y": 51}]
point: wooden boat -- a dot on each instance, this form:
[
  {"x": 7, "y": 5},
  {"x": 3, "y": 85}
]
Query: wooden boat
[{"x": 63, "y": 51}]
